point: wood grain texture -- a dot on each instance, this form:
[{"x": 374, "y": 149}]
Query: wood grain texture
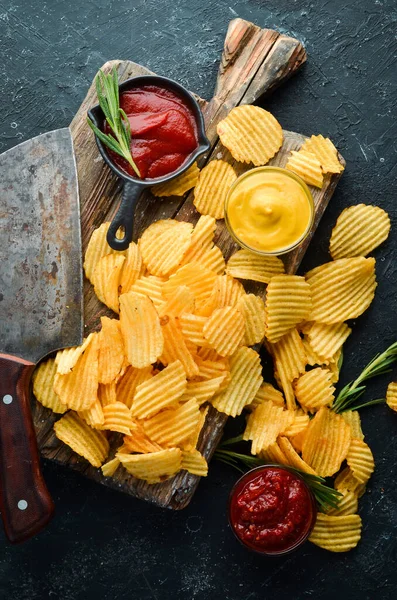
[{"x": 254, "y": 62}]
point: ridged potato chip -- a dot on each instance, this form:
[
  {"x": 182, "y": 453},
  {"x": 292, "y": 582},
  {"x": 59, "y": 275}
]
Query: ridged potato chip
[
  {"x": 360, "y": 460},
  {"x": 180, "y": 185},
  {"x": 150, "y": 287},
  {"x": 195, "y": 463},
  {"x": 345, "y": 480},
  {"x": 213, "y": 259},
  {"x": 253, "y": 310},
  {"x": 193, "y": 441},
  {"x": 78, "y": 389},
  {"x": 210, "y": 369},
  {"x": 274, "y": 454},
  {"x": 353, "y": 418},
  {"x": 107, "y": 393},
  {"x": 181, "y": 301},
  {"x": 314, "y": 389},
  {"x": 224, "y": 330},
  {"x": 299, "y": 424},
  {"x": 161, "y": 391},
  {"x": 359, "y": 230},
  {"x": 326, "y": 442},
  {"x": 336, "y": 534},
  {"x": 43, "y": 386},
  {"x": 139, "y": 442},
  {"x": 251, "y": 134},
  {"x": 288, "y": 303},
  {"x": 106, "y": 280},
  {"x": 312, "y": 357},
  {"x": 163, "y": 245},
  {"x": 347, "y": 505},
  {"x": 153, "y": 467},
  {"x": 290, "y": 362},
  {"x": 294, "y": 460},
  {"x": 326, "y": 340},
  {"x": 391, "y": 396},
  {"x": 132, "y": 268},
  {"x": 67, "y": 358},
  {"x": 267, "y": 392},
  {"x": 307, "y": 166},
  {"x": 325, "y": 151},
  {"x": 247, "y": 265},
  {"x": 192, "y": 328},
  {"x": 265, "y": 424},
  {"x": 173, "y": 426},
  {"x": 126, "y": 386},
  {"x": 213, "y": 184},
  {"x": 117, "y": 417},
  {"x": 203, "y": 390},
  {"x": 199, "y": 279},
  {"x": 226, "y": 291},
  {"x": 97, "y": 248},
  {"x": 93, "y": 415},
  {"x": 140, "y": 327},
  {"x": 110, "y": 468},
  {"x": 111, "y": 350},
  {"x": 202, "y": 239},
  {"x": 246, "y": 379},
  {"x": 175, "y": 347},
  {"x": 82, "y": 439},
  {"x": 342, "y": 289}
]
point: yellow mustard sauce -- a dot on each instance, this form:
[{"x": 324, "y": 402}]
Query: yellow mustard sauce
[{"x": 268, "y": 209}]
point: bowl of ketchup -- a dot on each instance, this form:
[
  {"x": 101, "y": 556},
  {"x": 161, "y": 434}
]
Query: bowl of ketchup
[
  {"x": 272, "y": 510},
  {"x": 167, "y": 136}
]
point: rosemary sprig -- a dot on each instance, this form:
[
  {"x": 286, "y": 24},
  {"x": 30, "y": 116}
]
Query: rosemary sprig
[
  {"x": 325, "y": 496},
  {"x": 107, "y": 88},
  {"x": 348, "y": 396}
]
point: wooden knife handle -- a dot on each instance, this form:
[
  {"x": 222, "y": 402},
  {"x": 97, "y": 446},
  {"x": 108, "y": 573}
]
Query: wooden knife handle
[{"x": 26, "y": 506}]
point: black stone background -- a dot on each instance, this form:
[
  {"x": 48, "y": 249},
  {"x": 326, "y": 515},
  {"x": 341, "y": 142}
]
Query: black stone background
[{"x": 105, "y": 545}]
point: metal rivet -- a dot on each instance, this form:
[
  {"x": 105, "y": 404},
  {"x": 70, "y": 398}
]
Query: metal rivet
[
  {"x": 7, "y": 399},
  {"x": 22, "y": 505}
]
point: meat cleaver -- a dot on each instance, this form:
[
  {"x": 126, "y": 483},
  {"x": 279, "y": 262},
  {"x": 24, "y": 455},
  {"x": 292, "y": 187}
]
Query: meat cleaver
[{"x": 40, "y": 307}]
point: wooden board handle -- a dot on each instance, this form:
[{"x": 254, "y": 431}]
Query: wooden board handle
[{"x": 26, "y": 506}]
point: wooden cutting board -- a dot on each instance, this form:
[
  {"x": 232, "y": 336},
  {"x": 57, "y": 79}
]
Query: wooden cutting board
[{"x": 253, "y": 63}]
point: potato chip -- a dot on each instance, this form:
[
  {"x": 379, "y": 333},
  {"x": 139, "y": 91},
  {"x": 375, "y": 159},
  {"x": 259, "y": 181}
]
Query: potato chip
[
  {"x": 66, "y": 359},
  {"x": 307, "y": 166},
  {"x": 334, "y": 366},
  {"x": 78, "y": 389},
  {"x": 336, "y": 534},
  {"x": 251, "y": 134},
  {"x": 359, "y": 230},
  {"x": 294, "y": 460},
  {"x": 314, "y": 389},
  {"x": 126, "y": 387},
  {"x": 290, "y": 362},
  {"x": 226, "y": 291},
  {"x": 312, "y": 357},
  {"x": 212, "y": 355},
  {"x": 210, "y": 369},
  {"x": 97, "y": 248},
  {"x": 347, "y": 505},
  {"x": 106, "y": 280},
  {"x": 153, "y": 467},
  {"x": 118, "y": 418},
  {"x": 265, "y": 424},
  {"x": 138, "y": 441},
  {"x": 342, "y": 289},
  {"x": 360, "y": 460},
  {"x": 171, "y": 427},
  {"x": 161, "y": 391},
  {"x": 224, "y": 330},
  {"x": 181, "y": 301},
  {"x": 246, "y": 379},
  {"x": 163, "y": 245},
  {"x": 107, "y": 393},
  {"x": 192, "y": 328},
  {"x": 151, "y": 287},
  {"x": 253, "y": 310},
  {"x": 353, "y": 418},
  {"x": 93, "y": 415},
  {"x": 132, "y": 268},
  {"x": 175, "y": 347},
  {"x": 247, "y": 265},
  {"x": 202, "y": 239},
  {"x": 274, "y": 454},
  {"x": 298, "y": 439},
  {"x": 391, "y": 396},
  {"x": 111, "y": 350},
  {"x": 140, "y": 327},
  {"x": 43, "y": 386},
  {"x": 180, "y": 185},
  {"x": 326, "y": 340},
  {"x": 193, "y": 440},
  {"x": 195, "y": 463},
  {"x": 325, "y": 151},
  {"x": 326, "y": 442},
  {"x": 267, "y": 392},
  {"x": 82, "y": 439},
  {"x": 288, "y": 303},
  {"x": 212, "y": 187},
  {"x": 299, "y": 424},
  {"x": 345, "y": 480},
  {"x": 110, "y": 468},
  {"x": 197, "y": 278},
  {"x": 203, "y": 390}
]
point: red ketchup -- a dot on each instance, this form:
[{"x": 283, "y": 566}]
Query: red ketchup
[
  {"x": 271, "y": 510},
  {"x": 163, "y": 131}
]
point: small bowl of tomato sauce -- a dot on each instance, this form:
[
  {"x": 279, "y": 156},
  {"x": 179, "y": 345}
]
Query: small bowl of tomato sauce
[{"x": 272, "y": 510}]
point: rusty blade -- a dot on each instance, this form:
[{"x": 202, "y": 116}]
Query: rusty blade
[{"x": 40, "y": 247}]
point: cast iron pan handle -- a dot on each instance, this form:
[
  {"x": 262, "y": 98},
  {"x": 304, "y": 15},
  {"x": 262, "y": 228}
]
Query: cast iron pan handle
[
  {"x": 26, "y": 506},
  {"x": 124, "y": 217}
]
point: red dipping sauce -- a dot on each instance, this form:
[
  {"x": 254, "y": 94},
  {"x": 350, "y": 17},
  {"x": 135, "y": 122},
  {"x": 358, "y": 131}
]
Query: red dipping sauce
[
  {"x": 163, "y": 131},
  {"x": 272, "y": 510}
]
